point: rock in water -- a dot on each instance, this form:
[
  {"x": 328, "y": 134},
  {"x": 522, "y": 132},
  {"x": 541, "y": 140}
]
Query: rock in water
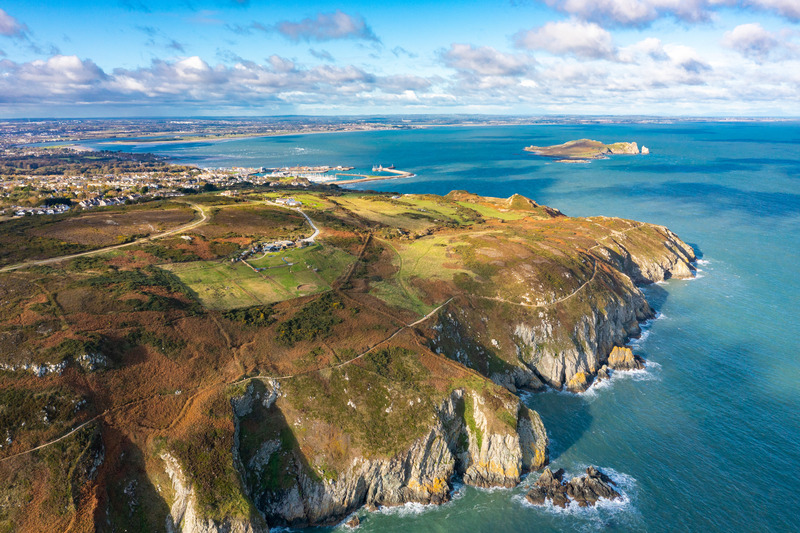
[
  {"x": 585, "y": 490},
  {"x": 578, "y": 383},
  {"x": 622, "y": 358},
  {"x": 353, "y": 522},
  {"x": 603, "y": 373},
  {"x": 645, "y": 150}
]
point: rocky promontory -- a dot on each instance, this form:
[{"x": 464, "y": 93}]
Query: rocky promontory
[{"x": 376, "y": 368}]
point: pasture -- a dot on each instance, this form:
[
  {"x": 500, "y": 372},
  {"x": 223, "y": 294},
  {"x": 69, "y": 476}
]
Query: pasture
[{"x": 223, "y": 285}]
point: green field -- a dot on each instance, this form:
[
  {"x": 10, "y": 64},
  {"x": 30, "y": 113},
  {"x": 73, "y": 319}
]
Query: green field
[
  {"x": 491, "y": 212},
  {"x": 411, "y": 213},
  {"x": 423, "y": 258},
  {"x": 224, "y": 285}
]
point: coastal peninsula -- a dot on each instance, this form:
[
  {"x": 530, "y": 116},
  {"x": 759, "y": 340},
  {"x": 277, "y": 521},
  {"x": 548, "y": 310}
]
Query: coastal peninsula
[
  {"x": 584, "y": 150},
  {"x": 227, "y": 372}
]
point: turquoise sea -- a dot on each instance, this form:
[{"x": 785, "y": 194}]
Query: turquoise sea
[{"x": 708, "y": 438}]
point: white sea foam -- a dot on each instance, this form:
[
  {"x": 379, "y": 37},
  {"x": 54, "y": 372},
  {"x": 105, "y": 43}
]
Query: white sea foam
[
  {"x": 414, "y": 508},
  {"x": 703, "y": 262},
  {"x": 593, "y": 518},
  {"x": 643, "y": 374},
  {"x": 637, "y": 343},
  {"x": 493, "y": 489},
  {"x": 411, "y": 508}
]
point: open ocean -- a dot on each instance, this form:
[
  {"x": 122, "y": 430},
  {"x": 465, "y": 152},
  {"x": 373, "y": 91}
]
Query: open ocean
[{"x": 708, "y": 437}]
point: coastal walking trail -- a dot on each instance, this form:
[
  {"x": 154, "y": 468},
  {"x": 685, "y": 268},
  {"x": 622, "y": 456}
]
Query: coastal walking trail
[
  {"x": 613, "y": 233},
  {"x": 191, "y": 225},
  {"x": 237, "y": 382}
]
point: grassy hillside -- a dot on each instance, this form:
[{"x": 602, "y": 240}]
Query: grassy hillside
[{"x": 148, "y": 344}]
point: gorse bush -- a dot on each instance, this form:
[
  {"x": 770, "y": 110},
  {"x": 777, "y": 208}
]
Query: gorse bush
[{"x": 315, "y": 319}]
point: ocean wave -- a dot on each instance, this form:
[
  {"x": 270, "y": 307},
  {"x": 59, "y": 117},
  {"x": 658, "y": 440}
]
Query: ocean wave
[
  {"x": 637, "y": 342},
  {"x": 703, "y": 262},
  {"x": 407, "y": 509},
  {"x": 414, "y": 508},
  {"x": 645, "y": 326},
  {"x": 644, "y": 374}
]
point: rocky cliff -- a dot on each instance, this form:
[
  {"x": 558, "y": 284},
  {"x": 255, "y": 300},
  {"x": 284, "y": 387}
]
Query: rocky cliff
[
  {"x": 466, "y": 438},
  {"x": 185, "y": 515},
  {"x": 563, "y": 340}
]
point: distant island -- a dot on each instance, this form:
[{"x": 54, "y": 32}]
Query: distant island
[{"x": 584, "y": 150}]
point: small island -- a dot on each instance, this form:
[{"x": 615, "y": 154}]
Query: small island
[{"x": 584, "y": 150}]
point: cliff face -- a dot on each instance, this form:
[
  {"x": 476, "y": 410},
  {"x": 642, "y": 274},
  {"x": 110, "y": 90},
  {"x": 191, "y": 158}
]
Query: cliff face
[
  {"x": 564, "y": 342},
  {"x": 185, "y": 517},
  {"x": 466, "y": 438}
]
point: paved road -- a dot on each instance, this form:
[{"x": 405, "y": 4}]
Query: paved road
[{"x": 180, "y": 229}]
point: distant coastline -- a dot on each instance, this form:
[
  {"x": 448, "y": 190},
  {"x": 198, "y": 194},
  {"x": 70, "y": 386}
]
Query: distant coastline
[{"x": 235, "y": 137}]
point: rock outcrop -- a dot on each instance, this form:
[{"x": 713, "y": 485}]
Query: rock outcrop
[
  {"x": 623, "y": 148},
  {"x": 622, "y": 358},
  {"x": 585, "y": 490},
  {"x": 476, "y": 447},
  {"x": 646, "y": 263},
  {"x": 565, "y": 343}
]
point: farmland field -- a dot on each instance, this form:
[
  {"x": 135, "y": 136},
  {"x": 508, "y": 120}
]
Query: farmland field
[{"x": 224, "y": 285}]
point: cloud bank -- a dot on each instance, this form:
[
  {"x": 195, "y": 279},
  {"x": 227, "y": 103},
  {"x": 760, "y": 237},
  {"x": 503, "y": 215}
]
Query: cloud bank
[{"x": 326, "y": 27}]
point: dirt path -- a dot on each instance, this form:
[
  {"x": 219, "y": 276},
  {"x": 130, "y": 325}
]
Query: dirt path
[
  {"x": 584, "y": 284},
  {"x": 357, "y": 357},
  {"x": 191, "y": 225},
  {"x": 201, "y": 390}
]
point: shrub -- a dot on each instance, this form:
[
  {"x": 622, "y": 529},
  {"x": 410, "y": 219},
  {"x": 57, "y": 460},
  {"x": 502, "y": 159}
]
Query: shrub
[{"x": 315, "y": 319}]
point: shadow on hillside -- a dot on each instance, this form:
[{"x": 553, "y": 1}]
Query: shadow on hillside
[
  {"x": 271, "y": 460},
  {"x": 132, "y": 502}
]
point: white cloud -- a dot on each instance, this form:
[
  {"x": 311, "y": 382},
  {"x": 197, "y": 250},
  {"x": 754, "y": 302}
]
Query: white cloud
[
  {"x": 67, "y": 80},
  {"x": 635, "y": 12},
  {"x": 650, "y": 47},
  {"x": 751, "y": 40},
  {"x": 485, "y": 61},
  {"x": 786, "y": 8},
  {"x": 644, "y": 12},
  {"x": 326, "y": 27},
  {"x": 11, "y": 27},
  {"x": 582, "y": 39},
  {"x": 58, "y": 75}
]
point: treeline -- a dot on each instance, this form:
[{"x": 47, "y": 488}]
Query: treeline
[{"x": 70, "y": 162}]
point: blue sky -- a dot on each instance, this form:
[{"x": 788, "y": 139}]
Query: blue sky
[{"x": 238, "y": 57}]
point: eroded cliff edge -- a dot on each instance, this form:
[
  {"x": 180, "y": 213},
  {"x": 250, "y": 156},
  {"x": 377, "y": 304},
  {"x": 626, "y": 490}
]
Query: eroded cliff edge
[
  {"x": 329, "y": 468},
  {"x": 383, "y": 388},
  {"x": 563, "y": 338}
]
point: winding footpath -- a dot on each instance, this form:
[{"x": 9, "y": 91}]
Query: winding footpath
[
  {"x": 614, "y": 233},
  {"x": 237, "y": 382}
]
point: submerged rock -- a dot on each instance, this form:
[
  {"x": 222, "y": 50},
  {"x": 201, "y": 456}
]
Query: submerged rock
[
  {"x": 622, "y": 358},
  {"x": 584, "y": 490}
]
